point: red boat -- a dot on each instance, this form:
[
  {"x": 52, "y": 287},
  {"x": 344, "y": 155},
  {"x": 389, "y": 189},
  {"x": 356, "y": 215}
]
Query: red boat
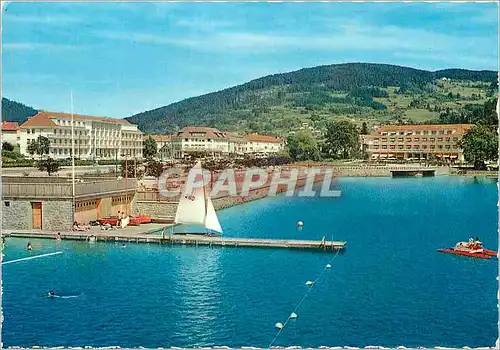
[{"x": 472, "y": 248}]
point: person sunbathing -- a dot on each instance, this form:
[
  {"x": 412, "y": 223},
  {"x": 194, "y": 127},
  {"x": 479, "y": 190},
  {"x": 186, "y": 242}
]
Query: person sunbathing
[{"x": 78, "y": 227}]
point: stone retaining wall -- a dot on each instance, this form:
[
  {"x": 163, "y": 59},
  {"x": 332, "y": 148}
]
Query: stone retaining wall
[
  {"x": 57, "y": 215},
  {"x": 159, "y": 209}
]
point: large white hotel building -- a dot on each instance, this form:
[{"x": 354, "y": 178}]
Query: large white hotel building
[{"x": 95, "y": 137}]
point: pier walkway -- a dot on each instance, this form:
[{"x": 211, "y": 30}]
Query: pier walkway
[{"x": 178, "y": 239}]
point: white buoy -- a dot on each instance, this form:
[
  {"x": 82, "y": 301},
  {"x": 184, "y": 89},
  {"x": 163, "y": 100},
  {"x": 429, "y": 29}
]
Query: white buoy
[
  {"x": 293, "y": 315},
  {"x": 309, "y": 283},
  {"x": 300, "y": 224},
  {"x": 278, "y": 325},
  {"x": 328, "y": 266}
]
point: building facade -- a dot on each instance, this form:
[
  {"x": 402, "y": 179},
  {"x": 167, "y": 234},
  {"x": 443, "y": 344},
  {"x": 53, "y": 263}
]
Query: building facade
[
  {"x": 262, "y": 144},
  {"x": 10, "y": 133},
  {"x": 94, "y": 137},
  {"x": 218, "y": 144},
  {"x": 416, "y": 142}
]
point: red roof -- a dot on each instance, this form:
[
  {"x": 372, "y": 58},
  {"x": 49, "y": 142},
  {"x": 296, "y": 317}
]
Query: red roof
[
  {"x": 263, "y": 138},
  {"x": 39, "y": 120},
  {"x": 10, "y": 126},
  {"x": 458, "y": 127},
  {"x": 43, "y": 118}
]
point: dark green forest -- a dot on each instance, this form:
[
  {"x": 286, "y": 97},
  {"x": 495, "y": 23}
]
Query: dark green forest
[
  {"x": 13, "y": 111},
  {"x": 271, "y": 103}
]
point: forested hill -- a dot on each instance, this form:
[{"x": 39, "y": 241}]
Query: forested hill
[
  {"x": 273, "y": 103},
  {"x": 13, "y": 111}
]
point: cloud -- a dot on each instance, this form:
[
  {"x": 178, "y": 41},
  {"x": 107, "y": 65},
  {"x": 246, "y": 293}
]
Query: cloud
[
  {"x": 203, "y": 24},
  {"x": 25, "y": 46},
  {"x": 46, "y": 20},
  {"x": 347, "y": 36}
]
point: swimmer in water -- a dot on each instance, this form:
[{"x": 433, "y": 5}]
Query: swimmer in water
[
  {"x": 123, "y": 245},
  {"x": 58, "y": 236},
  {"x": 29, "y": 247},
  {"x": 52, "y": 294}
]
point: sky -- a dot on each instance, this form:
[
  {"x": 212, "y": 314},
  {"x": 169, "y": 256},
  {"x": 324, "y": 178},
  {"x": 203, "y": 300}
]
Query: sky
[{"x": 125, "y": 58}]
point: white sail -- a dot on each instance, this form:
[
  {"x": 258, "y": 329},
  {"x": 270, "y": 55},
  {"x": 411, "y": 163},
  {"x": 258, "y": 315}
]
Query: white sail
[
  {"x": 191, "y": 209},
  {"x": 211, "y": 220}
]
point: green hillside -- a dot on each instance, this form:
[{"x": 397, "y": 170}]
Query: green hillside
[
  {"x": 359, "y": 92},
  {"x": 13, "y": 111}
]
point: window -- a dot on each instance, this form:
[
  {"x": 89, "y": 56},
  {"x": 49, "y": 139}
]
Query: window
[
  {"x": 416, "y": 139},
  {"x": 441, "y": 132},
  {"x": 455, "y": 139},
  {"x": 400, "y": 139},
  {"x": 393, "y": 146},
  {"x": 425, "y": 132},
  {"x": 433, "y": 132},
  {"x": 375, "y": 147},
  {"x": 417, "y": 132},
  {"x": 440, "y": 146},
  {"x": 424, "y": 139},
  {"x": 7, "y": 203},
  {"x": 432, "y": 139},
  {"x": 416, "y": 146},
  {"x": 383, "y": 147},
  {"x": 440, "y": 139},
  {"x": 424, "y": 146},
  {"x": 447, "y": 139},
  {"x": 448, "y": 132},
  {"x": 408, "y": 139},
  {"x": 432, "y": 146},
  {"x": 447, "y": 146}
]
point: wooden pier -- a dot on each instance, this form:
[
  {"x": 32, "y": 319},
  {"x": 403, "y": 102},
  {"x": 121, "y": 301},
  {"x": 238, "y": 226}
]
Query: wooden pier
[{"x": 183, "y": 239}]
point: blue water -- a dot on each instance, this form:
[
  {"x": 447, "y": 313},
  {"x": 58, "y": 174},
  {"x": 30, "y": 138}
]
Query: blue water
[{"x": 390, "y": 287}]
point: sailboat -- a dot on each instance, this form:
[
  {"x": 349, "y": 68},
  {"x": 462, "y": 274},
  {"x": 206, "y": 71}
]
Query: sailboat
[{"x": 197, "y": 208}]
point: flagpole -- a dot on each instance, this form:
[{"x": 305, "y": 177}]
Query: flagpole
[{"x": 73, "y": 156}]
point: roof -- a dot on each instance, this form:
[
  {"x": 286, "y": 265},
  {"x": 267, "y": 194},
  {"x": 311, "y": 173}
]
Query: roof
[
  {"x": 10, "y": 126},
  {"x": 40, "y": 119},
  {"x": 457, "y": 127},
  {"x": 158, "y": 138},
  {"x": 210, "y": 133},
  {"x": 263, "y": 138}
]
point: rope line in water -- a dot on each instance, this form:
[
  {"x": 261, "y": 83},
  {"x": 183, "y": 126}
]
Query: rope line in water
[
  {"x": 30, "y": 258},
  {"x": 302, "y": 300}
]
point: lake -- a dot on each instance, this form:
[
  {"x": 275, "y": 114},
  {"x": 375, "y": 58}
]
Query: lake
[{"x": 390, "y": 287}]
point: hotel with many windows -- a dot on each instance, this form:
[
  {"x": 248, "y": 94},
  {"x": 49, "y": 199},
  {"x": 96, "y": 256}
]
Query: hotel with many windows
[
  {"x": 416, "y": 142},
  {"x": 94, "y": 137}
]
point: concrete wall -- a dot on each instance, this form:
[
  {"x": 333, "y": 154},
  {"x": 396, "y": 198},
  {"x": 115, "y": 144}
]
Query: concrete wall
[
  {"x": 155, "y": 209},
  {"x": 17, "y": 215},
  {"x": 57, "y": 215}
]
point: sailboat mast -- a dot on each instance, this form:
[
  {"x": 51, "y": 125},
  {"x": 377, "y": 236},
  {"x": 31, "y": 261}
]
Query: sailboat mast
[{"x": 73, "y": 155}]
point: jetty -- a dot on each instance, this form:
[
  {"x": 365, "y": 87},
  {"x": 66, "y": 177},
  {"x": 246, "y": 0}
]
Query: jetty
[{"x": 181, "y": 239}]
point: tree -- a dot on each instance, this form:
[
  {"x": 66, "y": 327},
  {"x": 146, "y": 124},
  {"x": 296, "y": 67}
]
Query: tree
[
  {"x": 33, "y": 148},
  {"x": 154, "y": 168},
  {"x": 49, "y": 165},
  {"x": 7, "y": 147},
  {"x": 480, "y": 144},
  {"x": 341, "y": 139},
  {"x": 364, "y": 129},
  {"x": 150, "y": 148},
  {"x": 43, "y": 145},
  {"x": 303, "y": 146}
]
